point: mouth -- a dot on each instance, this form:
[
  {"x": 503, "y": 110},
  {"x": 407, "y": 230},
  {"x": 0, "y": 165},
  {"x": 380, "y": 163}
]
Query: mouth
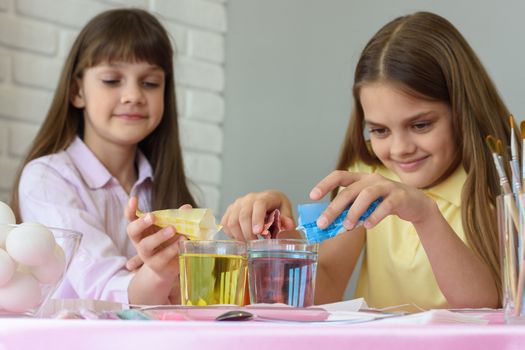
[
  {"x": 411, "y": 164},
  {"x": 130, "y": 116}
]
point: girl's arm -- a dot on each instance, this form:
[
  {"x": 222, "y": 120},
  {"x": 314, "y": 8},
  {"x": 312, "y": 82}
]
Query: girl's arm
[
  {"x": 337, "y": 259},
  {"x": 462, "y": 277},
  {"x": 148, "y": 288}
]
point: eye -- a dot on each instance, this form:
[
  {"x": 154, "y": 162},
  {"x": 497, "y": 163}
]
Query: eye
[
  {"x": 151, "y": 84},
  {"x": 378, "y": 132},
  {"x": 110, "y": 82},
  {"x": 421, "y": 126}
]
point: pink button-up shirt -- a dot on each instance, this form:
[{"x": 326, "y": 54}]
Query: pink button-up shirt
[{"x": 73, "y": 190}]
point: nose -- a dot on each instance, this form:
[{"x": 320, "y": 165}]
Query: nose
[
  {"x": 402, "y": 144},
  {"x": 132, "y": 93}
]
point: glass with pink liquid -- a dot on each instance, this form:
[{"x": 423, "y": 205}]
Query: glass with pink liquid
[{"x": 282, "y": 271}]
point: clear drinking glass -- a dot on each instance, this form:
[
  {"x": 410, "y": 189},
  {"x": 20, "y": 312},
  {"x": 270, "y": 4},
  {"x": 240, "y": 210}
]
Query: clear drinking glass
[
  {"x": 212, "y": 272},
  {"x": 511, "y": 228},
  {"x": 282, "y": 271}
]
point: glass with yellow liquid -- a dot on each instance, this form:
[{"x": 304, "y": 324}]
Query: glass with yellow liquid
[{"x": 212, "y": 272}]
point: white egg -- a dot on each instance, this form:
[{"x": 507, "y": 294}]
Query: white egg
[
  {"x": 7, "y": 267},
  {"x": 30, "y": 244},
  {"x": 52, "y": 270},
  {"x": 4, "y": 231},
  {"x": 21, "y": 293},
  {"x": 6, "y": 214}
]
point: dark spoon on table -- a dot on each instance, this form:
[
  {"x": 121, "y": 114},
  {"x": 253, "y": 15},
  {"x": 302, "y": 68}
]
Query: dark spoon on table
[{"x": 235, "y": 315}]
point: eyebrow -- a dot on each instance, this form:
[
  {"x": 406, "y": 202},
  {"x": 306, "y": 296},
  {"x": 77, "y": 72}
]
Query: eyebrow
[{"x": 407, "y": 121}]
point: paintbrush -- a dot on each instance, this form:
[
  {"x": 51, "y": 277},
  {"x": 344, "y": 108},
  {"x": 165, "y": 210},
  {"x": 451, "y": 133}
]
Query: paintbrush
[
  {"x": 514, "y": 160},
  {"x": 495, "y": 146},
  {"x": 519, "y": 300}
]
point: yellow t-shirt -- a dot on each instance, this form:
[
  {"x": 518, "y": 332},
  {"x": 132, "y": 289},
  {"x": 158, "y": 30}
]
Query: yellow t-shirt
[{"x": 396, "y": 269}]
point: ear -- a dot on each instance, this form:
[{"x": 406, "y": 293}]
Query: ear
[{"x": 77, "y": 94}]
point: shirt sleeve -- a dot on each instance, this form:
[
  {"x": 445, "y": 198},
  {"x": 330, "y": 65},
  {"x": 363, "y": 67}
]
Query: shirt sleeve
[{"x": 98, "y": 269}]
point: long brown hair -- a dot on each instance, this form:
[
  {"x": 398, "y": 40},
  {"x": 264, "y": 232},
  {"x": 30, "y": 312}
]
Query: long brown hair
[
  {"x": 131, "y": 35},
  {"x": 429, "y": 58}
]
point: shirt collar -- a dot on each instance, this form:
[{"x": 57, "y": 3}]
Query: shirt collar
[
  {"x": 94, "y": 172},
  {"x": 449, "y": 189},
  {"x": 144, "y": 168}
]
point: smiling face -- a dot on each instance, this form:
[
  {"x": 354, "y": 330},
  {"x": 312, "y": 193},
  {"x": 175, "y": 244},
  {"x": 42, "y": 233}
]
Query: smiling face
[
  {"x": 411, "y": 136},
  {"x": 122, "y": 102}
]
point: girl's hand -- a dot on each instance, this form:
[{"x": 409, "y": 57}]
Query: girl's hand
[
  {"x": 174, "y": 297},
  {"x": 158, "y": 248},
  {"x": 244, "y": 219},
  {"x": 408, "y": 203}
]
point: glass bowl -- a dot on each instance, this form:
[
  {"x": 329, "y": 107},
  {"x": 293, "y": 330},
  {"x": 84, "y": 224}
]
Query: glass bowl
[{"x": 36, "y": 275}]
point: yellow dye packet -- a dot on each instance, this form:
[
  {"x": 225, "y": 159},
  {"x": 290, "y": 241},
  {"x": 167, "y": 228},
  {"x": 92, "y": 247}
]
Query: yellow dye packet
[{"x": 196, "y": 224}]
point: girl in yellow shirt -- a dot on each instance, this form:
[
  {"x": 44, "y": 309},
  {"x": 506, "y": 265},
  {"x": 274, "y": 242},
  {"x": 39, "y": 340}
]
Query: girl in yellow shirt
[{"x": 426, "y": 102}]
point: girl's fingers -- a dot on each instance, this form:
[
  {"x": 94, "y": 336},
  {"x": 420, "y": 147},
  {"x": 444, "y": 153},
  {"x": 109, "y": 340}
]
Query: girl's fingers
[
  {"x": 258, "y": 215},
  {"x": 223, "y": 222},
  {"x": 336, "y": 207},
  {"x": 225, "y": 227},
  {"x": 239, "y": 220},
  {"x": 186, "y": 206},
  {"x": 136, "y": 227},
  {"x": 232, "y": 224},
  {"x": 286, "y": 212},
  {"x": 360, "y": 191},
  {"x": 236, "y": 233},
  {"x": 334, "y": 180},
  {"x": 134, "y": 263},
  {"x": 167, "y": 256},
  {"x": 244, "y": 219},
  {"x": 267, "y": 202},
  {"x": 380, "y": 212},
  {"x": 287, "y": 223},
  {"x": 131, "y": 209},
  {"x": 150, "y": 244},
  {"x": 361, "y": 204},
  {"x": 245, "y": 222}
]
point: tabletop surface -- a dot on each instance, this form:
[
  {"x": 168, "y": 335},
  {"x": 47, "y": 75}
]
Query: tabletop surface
[{"x": 28, "y": 333}]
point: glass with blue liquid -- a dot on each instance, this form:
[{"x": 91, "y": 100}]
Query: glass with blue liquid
[{"x": 282, "y": 271}]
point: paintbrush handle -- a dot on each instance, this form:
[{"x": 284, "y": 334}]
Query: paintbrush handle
[{"x": 523, "y": 163}]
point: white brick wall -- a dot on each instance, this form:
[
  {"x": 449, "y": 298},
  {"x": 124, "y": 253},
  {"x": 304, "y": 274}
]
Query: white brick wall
[{"x": 35, "y": 37}]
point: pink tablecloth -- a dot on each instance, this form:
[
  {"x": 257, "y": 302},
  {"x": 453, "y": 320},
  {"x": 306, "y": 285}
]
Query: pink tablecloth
[{"x": 185, "y": 335}]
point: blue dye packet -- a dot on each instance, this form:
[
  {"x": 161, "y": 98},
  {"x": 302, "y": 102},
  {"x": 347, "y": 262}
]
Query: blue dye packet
[{"x": 309, "y": 213}]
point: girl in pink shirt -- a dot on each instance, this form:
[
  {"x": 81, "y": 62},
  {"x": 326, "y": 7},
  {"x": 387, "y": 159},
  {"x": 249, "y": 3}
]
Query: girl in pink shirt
[{"x": 111, "y": 138}]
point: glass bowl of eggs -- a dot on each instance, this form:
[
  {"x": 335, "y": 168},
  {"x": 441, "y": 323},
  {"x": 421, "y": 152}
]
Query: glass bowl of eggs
[{"x": 33, "y": 262}]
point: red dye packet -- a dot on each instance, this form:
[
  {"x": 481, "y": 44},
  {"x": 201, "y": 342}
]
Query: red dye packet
[{"x": 272, "y": 225}]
